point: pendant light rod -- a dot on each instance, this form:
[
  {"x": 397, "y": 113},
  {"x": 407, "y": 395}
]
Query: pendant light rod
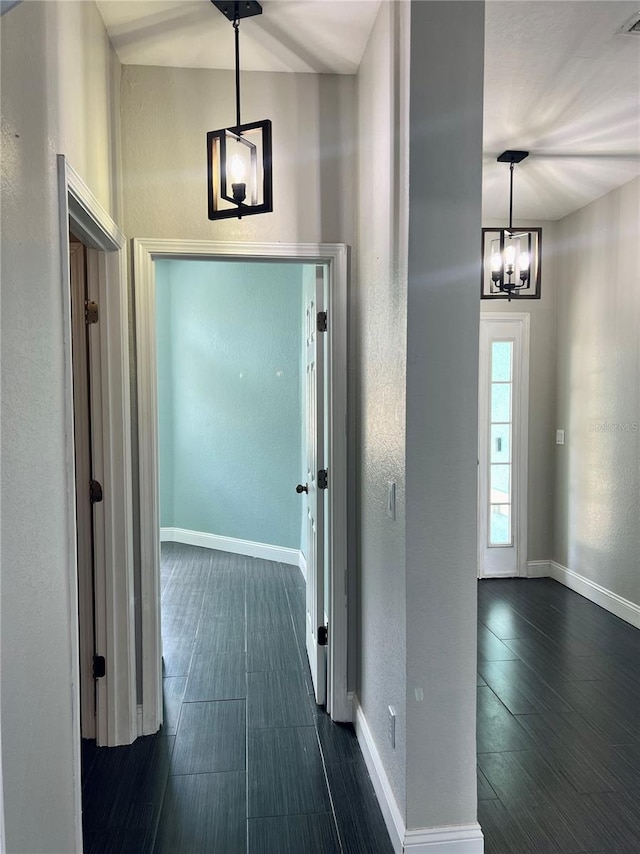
[
  {"x": 511, "y": 157},
  {"x": 236, "y": 27},
  {"x": 510, "y": 193}
]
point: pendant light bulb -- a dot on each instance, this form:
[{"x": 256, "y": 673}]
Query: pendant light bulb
[{"x": 510, "y": 258}]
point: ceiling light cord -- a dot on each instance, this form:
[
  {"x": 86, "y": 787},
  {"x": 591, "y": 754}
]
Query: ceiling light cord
[
  {"x": 236, "y": 28},
  {"x": 511, "y": 196}
]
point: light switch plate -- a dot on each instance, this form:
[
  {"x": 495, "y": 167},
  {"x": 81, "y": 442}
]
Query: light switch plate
[
  {"x": 559, "y": 437},
  {"x": 392, "y": 726},
  {"x": 391, "y": 505}
]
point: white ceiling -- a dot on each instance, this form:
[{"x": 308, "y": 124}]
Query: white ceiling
[{"x": 560, "y": 81}]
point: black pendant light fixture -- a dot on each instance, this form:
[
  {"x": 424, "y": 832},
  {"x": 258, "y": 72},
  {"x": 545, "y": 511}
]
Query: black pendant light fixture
[
  {"x": 511, "y": 256},
  {"x": 239, "y": 157}
]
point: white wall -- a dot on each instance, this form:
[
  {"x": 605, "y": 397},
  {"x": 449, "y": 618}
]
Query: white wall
[
  {"x": 447, "y": 57},
  {"x": 597, "y": 503},
  {"x": 378, "y": 378},
  {"x": 59, "y": 95},
  {"x": 542, "y": 391}
]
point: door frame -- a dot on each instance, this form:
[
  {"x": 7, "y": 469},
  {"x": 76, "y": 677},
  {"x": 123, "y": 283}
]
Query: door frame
[
  {"x": 521, "y": 444},
  {"x": 335, "y": 257},
  {"x": 114, "y": 598}
]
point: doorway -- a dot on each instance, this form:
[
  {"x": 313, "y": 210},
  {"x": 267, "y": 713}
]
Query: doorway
[
  {"x": 241, "y": 401},
  {"x": 334, "y": 259},
  {"x": 503, "y": 444}
]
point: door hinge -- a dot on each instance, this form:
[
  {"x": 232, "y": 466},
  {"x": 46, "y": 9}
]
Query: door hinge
[
  {"x": 95, "y": 491},
  {"x": 323, "y": 479},
  {"x": 91, "y": 312},
  {"x": 322, "y": 321},
  {"x": 99, "y": 666},
  {"x": 323, "y": 635}
]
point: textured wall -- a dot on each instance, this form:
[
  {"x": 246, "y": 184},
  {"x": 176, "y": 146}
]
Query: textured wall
[
  {"x": 598, "y": 469},
  {"x": 443, "y": 309},
  {"x": 542, "y": 393},
  {"x": 378, "y": 383},
  {"x": 166, "y": 113},
  {"x": 229, "y": 390},
  {"x": 58, "y": 96}
]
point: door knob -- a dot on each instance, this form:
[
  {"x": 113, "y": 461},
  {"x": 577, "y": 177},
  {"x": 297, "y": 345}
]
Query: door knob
[{"x": 300, "y": 488}]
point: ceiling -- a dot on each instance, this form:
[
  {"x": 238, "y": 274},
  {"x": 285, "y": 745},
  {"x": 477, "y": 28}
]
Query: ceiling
[{"x": 560, "y": 81}]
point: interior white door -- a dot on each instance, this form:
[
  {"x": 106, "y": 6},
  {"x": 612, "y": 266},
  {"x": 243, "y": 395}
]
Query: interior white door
[
  {"x": 315, "y": 494},
  {"x": 502, "y": 445}
]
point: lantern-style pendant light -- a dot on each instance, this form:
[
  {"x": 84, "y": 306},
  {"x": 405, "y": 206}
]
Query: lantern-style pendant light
[
  {"x": 239, "y": 157},
  {"x": 511, "y": 256}
]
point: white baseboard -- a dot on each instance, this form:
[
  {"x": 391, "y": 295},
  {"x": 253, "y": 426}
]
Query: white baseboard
[
  {"x": 390, "y": 811},
  {"x": 459, "y": 839},
  {"x": 623, "y": 608},
  {"x": 538, "y": 569},
  {"x": 302, "y": 563},
  {"x": 230, "y": 544}
]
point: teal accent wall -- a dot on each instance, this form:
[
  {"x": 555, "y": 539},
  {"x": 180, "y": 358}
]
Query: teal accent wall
[{"x": 230, "y": 398}]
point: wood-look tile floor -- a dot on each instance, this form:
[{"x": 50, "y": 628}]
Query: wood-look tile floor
[
  {"x": 558, "y": 722},
  {"x": 245, "y": 761}
]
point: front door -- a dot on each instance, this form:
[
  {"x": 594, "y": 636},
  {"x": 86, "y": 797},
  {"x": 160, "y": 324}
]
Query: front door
[
  {"x": 314, "y": 394},
  {"x": 502, "y": 444}
]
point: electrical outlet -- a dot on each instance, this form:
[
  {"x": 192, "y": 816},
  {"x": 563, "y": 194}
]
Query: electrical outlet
[
  {"x": 559, "y": 437},
  {"x": 392, "y": 726}
]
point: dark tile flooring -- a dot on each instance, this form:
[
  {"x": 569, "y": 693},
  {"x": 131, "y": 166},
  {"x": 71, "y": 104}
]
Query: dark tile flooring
[
  {"x": 558, "y": 722},
  {"x": 245, "y": 761}
]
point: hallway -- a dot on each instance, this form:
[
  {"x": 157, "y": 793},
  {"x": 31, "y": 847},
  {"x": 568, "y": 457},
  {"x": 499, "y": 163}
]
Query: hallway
[
  {"x": 245, "y": 760},
  {"x": 558, "y": 722}
]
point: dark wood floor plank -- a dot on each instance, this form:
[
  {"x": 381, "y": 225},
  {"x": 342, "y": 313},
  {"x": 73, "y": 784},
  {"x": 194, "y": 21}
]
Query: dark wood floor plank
[
  {"x": 524, "y": 779},
  {"x": 204, "y": 813},
  {"x": 220, "y": 635},
  {"x": 173, "y": 689},
  {"x": 360, "y": 822},
  {"x": 520, "y": 688},
  {"x": 338, "y": 742},
  {"x": 217, "y": 676},
  {"x": 278, "y": 699},
  {"x": 491, "y": 648},
  {"x": 276, "y": 650},
  {"x": 293, "y": 834},
  {"x": 176, "y": 656},
  {"x": 497, "y": 729},
  {"x": 285, "y": 772},
  {"x": 211, "y": 737},
  {"x": 125, "y": 785}
]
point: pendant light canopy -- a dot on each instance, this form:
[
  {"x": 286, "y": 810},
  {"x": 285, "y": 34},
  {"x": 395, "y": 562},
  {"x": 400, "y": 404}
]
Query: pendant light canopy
[
  {"x": 511, "y": 256},
  {"x": 239, "y": 157}
]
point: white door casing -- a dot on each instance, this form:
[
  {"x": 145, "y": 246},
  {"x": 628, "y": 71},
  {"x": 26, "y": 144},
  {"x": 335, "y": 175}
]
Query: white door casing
[
  {"x": 507, "y": 555},
  {"x": 314, "y": 397},
  {"x": 110, "y": 415},
  {"x": 334, "y": 257}
]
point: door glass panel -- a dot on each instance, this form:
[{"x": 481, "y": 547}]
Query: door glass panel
[
  {"x": 500, "y": 484},
  {"x": 501, "y": 361},
  {"x": 500, "y": 402},
  {"x": 500, "y": 475},
  {"x": 500, "y": 524}
]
